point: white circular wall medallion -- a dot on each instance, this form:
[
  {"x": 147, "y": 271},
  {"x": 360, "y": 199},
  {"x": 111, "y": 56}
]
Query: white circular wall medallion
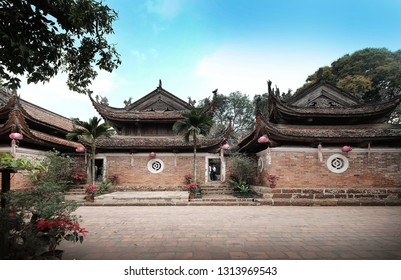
[
  {"x": 337, "y": 163},
  {"x": 155, "y": 165}
]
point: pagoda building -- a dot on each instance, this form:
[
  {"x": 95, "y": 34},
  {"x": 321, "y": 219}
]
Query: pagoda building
[
  {"x": 325, "y": 138},
  {"x": 38, "y": 131},
  {"x": 42, "y": 130},
  {"x": 145, "y": 154}
]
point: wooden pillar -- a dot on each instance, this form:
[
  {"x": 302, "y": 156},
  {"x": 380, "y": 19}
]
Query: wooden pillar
[
  {"x": 5, "y": 184},
  {"x": 5, "y": 187}
]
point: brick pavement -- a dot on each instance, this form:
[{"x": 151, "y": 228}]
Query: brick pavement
[{"x": 245, "y": 232}]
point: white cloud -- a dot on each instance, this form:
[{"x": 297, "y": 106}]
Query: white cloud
[
  {"x": 56, "y": 97},
  {"x": 247, "y": 69},
  {"x": 164, "y": 8},
  {"x": 141, "y": 56}
]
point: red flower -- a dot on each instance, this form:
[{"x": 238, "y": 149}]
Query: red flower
[
  {"x": 91, "y": 189},
  {"x": 83, "y": 231},
  {"x": 11, "y": 215}
]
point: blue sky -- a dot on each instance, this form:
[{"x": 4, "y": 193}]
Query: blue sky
[{"x": 196, "y": 46}]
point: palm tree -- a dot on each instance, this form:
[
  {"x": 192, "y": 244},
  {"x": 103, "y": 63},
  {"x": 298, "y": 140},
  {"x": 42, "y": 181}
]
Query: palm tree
[
  {"x": 90, "y": 131},
  {"x": 194, "y": 123}
]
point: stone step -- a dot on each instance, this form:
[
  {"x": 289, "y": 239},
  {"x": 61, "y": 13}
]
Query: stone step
[
  {"x": 220, "y": 189},
  {"x": 217, "y": 192},
  {"x": 223, "y": 203}
]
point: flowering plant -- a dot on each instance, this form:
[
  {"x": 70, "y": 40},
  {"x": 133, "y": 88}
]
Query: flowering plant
[
  {"x": 78, "y": 178},
  {"x": 56, "y": 229},
  {"x": 272, "y": 178},
  {"x": 91, "y": 189},
  {"x": 37, "y": 219},
  {"x": 193, "y": 186},
  {"x": 188, "y": 178}
]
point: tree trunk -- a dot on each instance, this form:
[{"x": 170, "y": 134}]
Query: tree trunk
[
  {"x": 195, "y": 157},
  {"x": 93, "y": 165}
]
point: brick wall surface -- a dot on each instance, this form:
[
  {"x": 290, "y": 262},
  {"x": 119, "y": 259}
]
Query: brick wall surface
[
  {"x": 298, "y": 169},
  {"x": 133, "y": 171},
  {"x": 19, "y": 180}
]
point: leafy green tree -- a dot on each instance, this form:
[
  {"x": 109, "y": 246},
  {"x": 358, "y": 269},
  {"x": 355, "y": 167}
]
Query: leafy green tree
[
  {"x": 195, "y": 122},
  {"x": 237, "y": 110},
  {"x": 372, "y": 74},
  {"x": 89, "y": 132},
  {"x": 40, "y": 38}
]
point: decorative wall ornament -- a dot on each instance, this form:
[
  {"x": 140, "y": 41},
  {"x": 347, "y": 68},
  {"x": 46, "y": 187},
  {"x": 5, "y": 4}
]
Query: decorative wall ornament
[
  {"x": 337, "y": 163},
  {"x": 155, "y": 165},
  {"x": 260, "y": 164},
  {"x": 319, "y": 152}
]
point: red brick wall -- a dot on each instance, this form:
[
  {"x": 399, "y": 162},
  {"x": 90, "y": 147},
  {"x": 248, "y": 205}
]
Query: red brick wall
[
  {"x": 133, "y": 171},
  {"x": 19, "y": 180},
  {"x": 301, "y": 168}
]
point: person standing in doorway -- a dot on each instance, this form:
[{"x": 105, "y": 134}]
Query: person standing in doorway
[{"x": 213, "y": 173}]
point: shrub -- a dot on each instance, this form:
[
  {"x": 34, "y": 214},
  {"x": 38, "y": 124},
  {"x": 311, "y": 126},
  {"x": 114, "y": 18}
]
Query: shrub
[
  {"x": 104, "y": 187},
  {"x": 242, "y": 167},
  {"x": 58, "y": 169},
  {"x": 36, "y": 220}
]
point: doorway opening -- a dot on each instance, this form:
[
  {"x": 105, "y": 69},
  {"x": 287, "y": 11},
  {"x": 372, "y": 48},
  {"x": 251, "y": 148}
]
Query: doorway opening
[
  {"x": 99, "y": 167},
  {"x": 214, "y": 170}
]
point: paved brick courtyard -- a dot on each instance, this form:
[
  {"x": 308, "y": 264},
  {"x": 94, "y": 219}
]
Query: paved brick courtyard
[{"x": 244, "y": 232}]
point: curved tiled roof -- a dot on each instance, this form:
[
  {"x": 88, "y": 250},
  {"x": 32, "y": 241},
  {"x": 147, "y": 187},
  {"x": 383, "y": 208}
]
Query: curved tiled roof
[
  {"x": 364, "y": 110},
  {"x": 123, "y": 142},
  {"x": 46, "y": 117},
  {"x": 119, "y": 114},
  {"x": 40, "y": 127},
  {"x": 335, "y": 133},
  {"x": 56, "y": 140},
  {"x": 308, "y": 134}
]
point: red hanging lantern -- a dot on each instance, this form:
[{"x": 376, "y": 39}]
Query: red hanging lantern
[
  {"x": 263, "y": 139},
  {"x": 225, "y": 146},
  {"x": 16, "y": 136},
  {"x": 80, "y": 149},
  {"x": 152, "y": 154},
  {"x": 346, "y": 149}
]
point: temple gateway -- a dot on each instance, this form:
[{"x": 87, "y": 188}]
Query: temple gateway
[{"x": 146, "y": 154}]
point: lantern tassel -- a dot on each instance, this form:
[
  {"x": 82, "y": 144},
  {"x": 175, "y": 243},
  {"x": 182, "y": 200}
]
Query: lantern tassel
[
  {"x": 13, "y": 147},
  {"x": 319, "y": 152}
]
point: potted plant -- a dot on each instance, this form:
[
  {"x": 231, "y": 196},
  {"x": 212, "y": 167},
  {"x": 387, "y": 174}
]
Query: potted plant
[
  {"x": 54, "y": 230},
  {"x": 90, "y": 192},
  {"x": 192, "y": 189},
  {"x": 193, "y": 186},
  {"x": 241, "y": 187},
  {"x": 272, "y": 178}
]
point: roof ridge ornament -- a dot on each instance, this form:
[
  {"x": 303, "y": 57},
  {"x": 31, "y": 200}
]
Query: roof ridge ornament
[{"x": 160, "y": 83}]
